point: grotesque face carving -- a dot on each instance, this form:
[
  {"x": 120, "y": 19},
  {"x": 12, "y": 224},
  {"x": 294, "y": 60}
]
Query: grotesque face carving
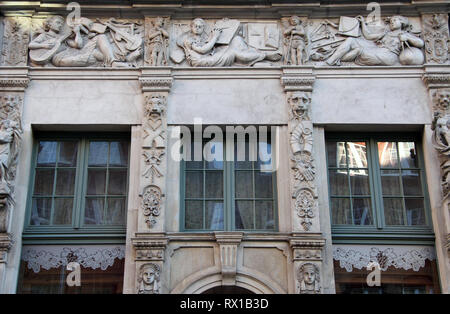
[
  {"x": 155, "y": 105},
  {"x": 299, "y": 103},
  {"x": 442, "y": 99}
]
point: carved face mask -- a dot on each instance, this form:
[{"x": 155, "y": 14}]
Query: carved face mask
[
  {"x": 310, "y": 275},
  {"x": 148, "y": 276}
]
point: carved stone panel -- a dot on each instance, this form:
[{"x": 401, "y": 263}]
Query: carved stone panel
[
  {"x": 149, "y": 279},
  {"x": 156, "y": 41},
  {"x": 436, "y": 36},
  {"x": 15, "y": 41}
]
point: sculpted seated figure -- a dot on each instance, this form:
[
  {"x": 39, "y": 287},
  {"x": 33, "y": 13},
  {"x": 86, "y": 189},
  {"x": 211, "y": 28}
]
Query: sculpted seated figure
[
  {"x": 392, "y": 45},
  {"x": 72, "y": 49},
  {"x": 200, "y": 49}
]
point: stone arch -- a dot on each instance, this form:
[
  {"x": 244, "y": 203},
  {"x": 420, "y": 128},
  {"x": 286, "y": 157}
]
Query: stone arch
[{"x": 202, "y": 281}]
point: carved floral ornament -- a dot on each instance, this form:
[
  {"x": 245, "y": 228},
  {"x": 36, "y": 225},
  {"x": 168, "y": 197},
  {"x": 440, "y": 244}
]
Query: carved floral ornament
[
  {"x": 401, "y": 257},
  {"x": 151, "y": 204},
  {"x": 161, "y": 41}
]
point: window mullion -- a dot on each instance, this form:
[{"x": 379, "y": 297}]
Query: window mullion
[
  {"x": 82, "y": 182},
  {"x": 405, "y": 221},
  {"x": 376, "y": 181},
  {"x": 52, "y": 210}
]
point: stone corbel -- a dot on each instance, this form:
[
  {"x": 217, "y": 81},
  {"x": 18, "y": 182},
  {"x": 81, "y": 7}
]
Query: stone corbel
[
  {"x": 5, "y": 245},
  {"x": 228, "y": 248}
]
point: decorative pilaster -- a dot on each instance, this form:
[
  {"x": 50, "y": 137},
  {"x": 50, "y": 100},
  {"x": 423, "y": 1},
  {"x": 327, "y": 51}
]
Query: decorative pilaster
[
  {"x": 305, "y": 208},
  {"x": 150, "y": 241},
  {"x": 228, "y": 248},
  {"x": 307, "y": 256}
]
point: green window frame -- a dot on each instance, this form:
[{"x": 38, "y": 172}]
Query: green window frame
[
  {"x": 230, "y": 171},
  {"x": 379, "y": 230},
  {"x": 77, "y": 230}
]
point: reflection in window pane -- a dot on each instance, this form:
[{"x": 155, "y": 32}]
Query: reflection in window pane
[
  {"x": 65, "y": 182},
  {"x": 117, "y": 184},
  {"x": 264, "y": 215},
  {"x": 47, "y": 154},
  {"x": 68, "y": 154},
  {"x": 244, "y": 215},
  {"x": 244, "y": 184},
  {"x": 393, "y": 211},
  {"x": 357, "y": 157},
  {"x": 94, "y": 209},
  {"x": 264, "y": 156},
  {"x": 362, "y": 212},
  {"x": 387, "y": 154},
  {"x": 213, "y": 156},
  {"x": 390, "y": 182},
  {"x": 116, "y": 211},
  {"x": 415, "y": 212},
  {"x": 194, "y": 184},
  {"x": 359, "y": 180},
  {"x": 242, "y": 158},
  {"x": 339, "y": 182},
  {"x": 43, "y": 182},
  {"x": 214, "y": 184},
  {"x": 98, "y": 154},
  {"x": 193, "y": 215},
  {"x": 408, "y": 156},
  {"x": 118, "y": 154},
  {"x": 96, "y": 183},
  {"x": 336, "y": 154},
  {"x": 62, "y": 214},
  {"x": 411, "y": 182},
  {"x": 341, "y": 211},
  {"x": 214, "y": 215},
  {"x": 263, "y": 185},
  {"x": 40, "y": 211}
]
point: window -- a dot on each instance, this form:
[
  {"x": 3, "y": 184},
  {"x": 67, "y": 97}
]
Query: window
[
  {"x": 376, "y": 182},
  {"x": 233, "y": 195},
  {"x": 76, "y": 213},
  {"x": 79, "y": 184}
]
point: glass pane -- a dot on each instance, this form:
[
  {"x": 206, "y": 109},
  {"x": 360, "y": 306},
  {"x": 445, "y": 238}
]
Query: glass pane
[
  {"x": 359, "y": 179},
  {"x": 194, "y": 163},
  {"x": 387, "y": 154},
  {"x": 214, "y": 215},
  {"x": 341, "y": 211},
  {"x": 68, "y": 154},
  {"x": 98, "y": 154},
  {"x": 65, "y": 182},
  {"x": 194, "y": 184},
  {"x": 214, "y": 184},
  {"x": 244, "y": 215},
  {"x": 62, "y": 214},
  {"x": 336, "y": 154},
  {"x": 411, "y": 182},
  {"x": 393, "y": 211},
  {"x": 118, "y": 153},
  {"x": 215, "y": 155},
  {"x": 93, "y": 214},
  {"x": 241, "y": 155},
  {"x": 96, "y": 182},
  {"x": 362, "y": 212},
  {"x": 117, "y": 184},
  {"x": 264, "y": 156},
  {"x": 46, "y": 154},
  {"x": 263, "y": 185},
  {"x": 264, "y": 215},
  {"x": 357, "y": 157},
  {"x": 408, "y": 156},
  {"x": 40, "y": 211},
  {"x": 43, "y": 182},
  {"x": 390, "y": 182},
  {"x": 116, "y": 211},
  {"x": 244, "y": 185},
  {"x": 415, "y": 212},
  {"x": 193, "y": 215},
  {"x": 339, "y": 182}
]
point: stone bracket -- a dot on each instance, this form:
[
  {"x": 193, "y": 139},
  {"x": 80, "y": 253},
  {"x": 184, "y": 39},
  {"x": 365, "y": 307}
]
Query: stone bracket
[
  {"x": 307, "y": 249},
  {"x": 5, "y": 245},
  {"x": 228, "y": 247},
  {"x": 150, "y": 247}
]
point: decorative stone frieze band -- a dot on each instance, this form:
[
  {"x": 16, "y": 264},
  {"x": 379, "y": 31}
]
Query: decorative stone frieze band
[
  {"x": 18, "y": 84},
  {"x": 436, "y": 80},
  {"x": 156, "y": 84}
]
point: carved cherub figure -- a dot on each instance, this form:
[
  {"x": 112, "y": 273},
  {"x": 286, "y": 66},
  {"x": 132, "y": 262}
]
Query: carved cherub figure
[
  {"x": 295, "y": 36},
  {"x": 158, "y": 43},
  {"x": 149, "y": 276},
  {"x": 308, "y": 277}
]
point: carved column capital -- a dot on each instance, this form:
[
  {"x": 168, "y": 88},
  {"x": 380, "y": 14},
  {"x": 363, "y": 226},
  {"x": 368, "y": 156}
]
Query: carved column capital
[
  {"x": 228, "y": 247},
  {"x": 5, "y": 245},
  {"x": 150, "y": 247},
  {"x": 161, "y": 83},
  {"x": 307, "y": 249},
  {"x": 438, "y": 78},
  {"x": 13, "y": 84},
  {"x": 298, "y": 79}
]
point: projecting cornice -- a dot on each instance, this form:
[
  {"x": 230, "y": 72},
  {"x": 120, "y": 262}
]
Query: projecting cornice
[{"x": 436, "y": 77}]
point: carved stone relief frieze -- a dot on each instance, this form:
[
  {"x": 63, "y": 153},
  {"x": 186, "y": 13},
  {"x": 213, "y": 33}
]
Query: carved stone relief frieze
[
  {"x": 15, "y": 41},
  {"x": 156, "y": 41},
  {"x": 109, "y": 43},
  {"x": 436, "y": 37}
]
